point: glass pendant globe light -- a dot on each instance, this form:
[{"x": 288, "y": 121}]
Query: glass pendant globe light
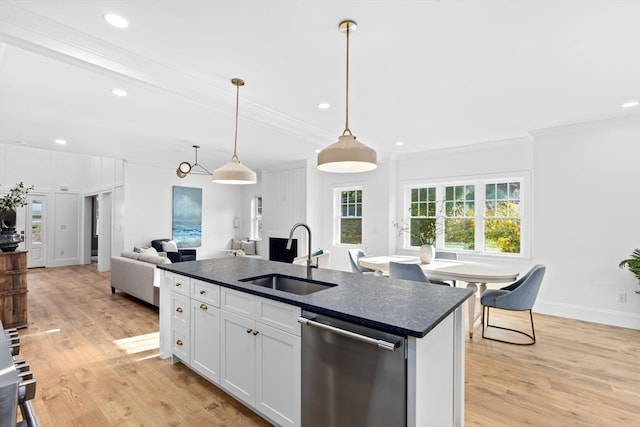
[
  {"x": 234, "y": 172},
  {"x": 348, "y": 155}
]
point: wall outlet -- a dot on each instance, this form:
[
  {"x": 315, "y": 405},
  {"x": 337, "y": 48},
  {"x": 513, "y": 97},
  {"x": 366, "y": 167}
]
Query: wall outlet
[{"x": 621, "y": 296}]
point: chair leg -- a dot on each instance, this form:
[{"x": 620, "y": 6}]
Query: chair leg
[{"x": 532, "y": 336}]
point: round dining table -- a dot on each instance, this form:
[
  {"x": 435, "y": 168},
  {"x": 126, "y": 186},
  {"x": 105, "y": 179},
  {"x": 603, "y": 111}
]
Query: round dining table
[{"x": 475, "y": 274}]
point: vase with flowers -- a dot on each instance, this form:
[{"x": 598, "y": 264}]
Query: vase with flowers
[
  {"x": 16, "y": 198},
  {"x": 424, "y": 231}
]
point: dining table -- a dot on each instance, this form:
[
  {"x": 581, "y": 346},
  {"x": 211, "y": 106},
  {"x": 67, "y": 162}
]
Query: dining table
[{"x": 475, "y": 274}]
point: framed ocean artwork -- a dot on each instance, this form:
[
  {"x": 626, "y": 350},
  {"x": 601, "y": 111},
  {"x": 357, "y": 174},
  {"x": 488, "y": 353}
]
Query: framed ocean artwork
[{"x": 187, "y": 217}]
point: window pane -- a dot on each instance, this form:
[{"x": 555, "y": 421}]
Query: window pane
[
  {"x": 490, "y": 207},
  {"x": 502, "y": 235},
  {"x": 431, "y": 209},
  {"x": 358, "y": 196},
  {"x": 501, "y": 190},
  {"x": 448, "y": 193},
  {"x": 459, "y": 233},
  {"x": 459, "y": 192},
  {"x": 448, "y": 208},
  {"x": 469, "y": 193},
  {"x": 351, "y": 230},
  {"x": 514, "y": 190},
  {"x": 490, "y": 191},
  {"x": 432, "y": 193},
  {"x": 414, "y": 194}
]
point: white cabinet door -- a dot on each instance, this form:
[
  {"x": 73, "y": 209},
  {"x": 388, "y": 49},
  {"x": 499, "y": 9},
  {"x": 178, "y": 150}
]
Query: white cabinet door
[
  {"x": 278, "y": 375},
  {"x": 205, "y": 340},
  {"x": 238, "y": 351}
]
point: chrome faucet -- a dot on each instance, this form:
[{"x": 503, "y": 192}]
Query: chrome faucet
[{"x": 309, "y": 262}]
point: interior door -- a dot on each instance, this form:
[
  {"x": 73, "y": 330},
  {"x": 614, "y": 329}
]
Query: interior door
[{"x": 35, "y": 238}]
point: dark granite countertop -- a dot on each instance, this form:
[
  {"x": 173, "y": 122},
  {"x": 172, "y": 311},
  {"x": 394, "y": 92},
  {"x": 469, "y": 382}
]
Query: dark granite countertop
[{"x": 395, "y": 306}]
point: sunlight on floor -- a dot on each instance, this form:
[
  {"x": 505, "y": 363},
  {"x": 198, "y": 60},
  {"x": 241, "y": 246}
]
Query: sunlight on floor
[{"x": 140, "y": 343}]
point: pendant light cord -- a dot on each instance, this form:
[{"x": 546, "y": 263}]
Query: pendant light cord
[
  {"x": 346, "y": 123},
  {"x": 235, "y": 142}
]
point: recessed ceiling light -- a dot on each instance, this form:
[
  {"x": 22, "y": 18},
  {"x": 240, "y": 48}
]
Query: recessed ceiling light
[
  {"x": 630, "y": 104},
  {"x": 116, "y": 20},
  {"x": 119, "y": 92},
  {"x": 318, "y": 150},
  {"x": 399, "y": 144},
  {"x": 324, "y": 106},
  {"x": 60, "y": 141}
]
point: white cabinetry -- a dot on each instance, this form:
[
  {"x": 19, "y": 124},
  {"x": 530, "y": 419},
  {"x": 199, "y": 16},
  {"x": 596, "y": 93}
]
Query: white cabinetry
[
  {"x": 248, "y": 345},
  {"x": 260, "y": 360},
  {"x": 205, "y": 329}
]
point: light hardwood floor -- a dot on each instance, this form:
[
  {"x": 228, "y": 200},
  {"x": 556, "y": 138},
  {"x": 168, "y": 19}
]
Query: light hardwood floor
[{"x": 94, "y": 356}]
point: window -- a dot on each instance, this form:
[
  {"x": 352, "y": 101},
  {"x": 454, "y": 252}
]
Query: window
[
  {"x": 422, "y": 222},
  {"x": 480, "y": 215},
  {"x": 502, "y": 217},
  {"x": 459, "y": 217},
  {"x": 256, "y": 218},
  {"x": 350, "y": 217}
]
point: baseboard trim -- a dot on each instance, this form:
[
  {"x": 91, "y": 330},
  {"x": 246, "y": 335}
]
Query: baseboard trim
[{"x": 590, "y": 314}]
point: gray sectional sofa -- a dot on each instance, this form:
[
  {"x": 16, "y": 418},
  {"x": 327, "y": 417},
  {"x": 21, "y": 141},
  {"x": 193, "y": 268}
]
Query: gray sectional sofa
[{"x": 136, "y": 274}]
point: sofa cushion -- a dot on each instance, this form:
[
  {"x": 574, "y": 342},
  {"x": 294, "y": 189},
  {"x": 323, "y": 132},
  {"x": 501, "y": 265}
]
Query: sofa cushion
[
  {"x": 249, "y": 247},
  {"x": 169, "y": 246},
  {"x": 154, "y": 259},
  {"x": 150, "y": 251},
  {"x": 236, "y": 244},
  {"x": 132, "y": 255}
]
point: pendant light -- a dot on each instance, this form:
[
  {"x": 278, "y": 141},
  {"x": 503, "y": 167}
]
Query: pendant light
[
  {"x": 348, "y": 154},
  {"x": 234, "y": 172},
  {"x": 186, "y": 168}
]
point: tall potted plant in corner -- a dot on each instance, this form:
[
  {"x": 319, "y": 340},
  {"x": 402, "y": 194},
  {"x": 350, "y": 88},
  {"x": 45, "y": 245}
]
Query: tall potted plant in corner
[
  {"x": 633, "y": 264},
  {"x": 17, "y": 197}
]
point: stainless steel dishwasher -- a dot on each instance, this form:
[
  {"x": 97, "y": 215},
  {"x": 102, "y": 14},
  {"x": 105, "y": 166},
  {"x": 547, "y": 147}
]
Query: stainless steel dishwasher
[{"x": 351, "y": 375}]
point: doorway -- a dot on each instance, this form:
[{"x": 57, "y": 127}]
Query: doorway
[{"x": 35, "y": 233}]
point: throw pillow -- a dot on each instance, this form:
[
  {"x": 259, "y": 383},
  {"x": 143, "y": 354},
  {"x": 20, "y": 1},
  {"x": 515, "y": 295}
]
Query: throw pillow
[
  {"x": 249, "y": 247},
  {"x": 150, "y": 251},
  {"x": 169, "y": 246},
  {"x": 236, "y": 244}
]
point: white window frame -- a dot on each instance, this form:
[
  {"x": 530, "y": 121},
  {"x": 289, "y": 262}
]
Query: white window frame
[
  {"x": 337, "y": 216},
  {"x": 256, "y": 217},
  {"x": 523, "y": 177}
]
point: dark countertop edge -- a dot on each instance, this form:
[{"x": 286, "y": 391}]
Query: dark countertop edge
[{"x": 321, "y": 310}]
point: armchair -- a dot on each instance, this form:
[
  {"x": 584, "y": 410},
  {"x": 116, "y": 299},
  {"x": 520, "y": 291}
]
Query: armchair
[{"x": 177, "y": 255}]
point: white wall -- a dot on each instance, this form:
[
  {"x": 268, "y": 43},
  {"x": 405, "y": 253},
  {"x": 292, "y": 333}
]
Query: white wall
[
  {"x": 587, "y": 219},
  {"x": 64, "y": 179},
  {"x": 148, "y": 208}
]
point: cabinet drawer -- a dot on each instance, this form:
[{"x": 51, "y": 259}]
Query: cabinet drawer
[
  {"x": 178, "y": 283},
  {"x": 180, "y": 308},
  {"x": 237, "y": 302},
  {"x": 205, "y": 292},
  {"x": 180, "y": 345},
  {"x": 278, "y": 315}
]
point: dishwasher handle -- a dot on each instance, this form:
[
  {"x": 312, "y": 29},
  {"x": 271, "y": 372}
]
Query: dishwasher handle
[{"x": 386, "y": 345}]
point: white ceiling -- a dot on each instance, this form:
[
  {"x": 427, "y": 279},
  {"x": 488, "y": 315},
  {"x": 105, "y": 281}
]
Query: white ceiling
[{"x": 433, "y": 74}]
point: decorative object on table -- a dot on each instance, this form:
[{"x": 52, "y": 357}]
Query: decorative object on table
[
  {"x": 427, "y": 237},
  {"x": 234, "y": 172},
  {"x": 633, "y": 264},
  {"x": 237, "y": 252},
  {"x": 348, "y": 155},
  {"x": 17, "y": 197},
  {"x": 186, "y": 222},
  {"x": 185, "y": 168}
]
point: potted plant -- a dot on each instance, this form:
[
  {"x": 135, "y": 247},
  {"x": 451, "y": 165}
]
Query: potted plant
[
  {"x": 633, "y": 264},
  {"x": 427, "y": 237},
  {"x": 17, "y": 197}
]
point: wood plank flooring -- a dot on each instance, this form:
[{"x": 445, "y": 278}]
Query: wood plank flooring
[{"x": 95, "y": 358}]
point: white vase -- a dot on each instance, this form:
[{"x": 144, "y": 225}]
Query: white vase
[{"x": 427, "y": 254}]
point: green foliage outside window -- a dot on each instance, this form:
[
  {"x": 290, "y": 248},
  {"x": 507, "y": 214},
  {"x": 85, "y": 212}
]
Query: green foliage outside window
[{"x": 351, "y": 217}]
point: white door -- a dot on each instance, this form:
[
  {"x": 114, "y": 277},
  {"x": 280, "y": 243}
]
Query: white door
[{"x": 35, "y": 236}]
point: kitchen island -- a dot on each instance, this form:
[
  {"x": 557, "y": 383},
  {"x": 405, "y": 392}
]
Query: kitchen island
[{"x": 201, "y": 300}]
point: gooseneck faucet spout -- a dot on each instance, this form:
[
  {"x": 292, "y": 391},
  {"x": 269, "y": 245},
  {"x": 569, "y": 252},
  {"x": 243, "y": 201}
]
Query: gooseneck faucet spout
[{"x": 309, "y": 263}]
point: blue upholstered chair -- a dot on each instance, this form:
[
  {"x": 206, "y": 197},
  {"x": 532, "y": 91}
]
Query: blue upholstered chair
[
  {"x": 354, "y": 255},
  {"x": 398, "y": 270},
  {"x": 450, "y": 256},
  {"x": 519, "y": 296}
]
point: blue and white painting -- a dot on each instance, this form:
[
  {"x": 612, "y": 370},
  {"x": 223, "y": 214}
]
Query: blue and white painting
[{"x": 187, "y": 217}]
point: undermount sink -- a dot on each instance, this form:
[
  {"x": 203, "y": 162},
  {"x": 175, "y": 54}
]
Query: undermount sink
[{"x": 294, "y": 285}]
